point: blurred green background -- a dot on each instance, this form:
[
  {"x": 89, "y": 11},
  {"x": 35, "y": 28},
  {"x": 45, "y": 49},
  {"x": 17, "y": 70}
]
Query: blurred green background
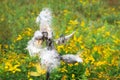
[{"x": 19, "y": 14}]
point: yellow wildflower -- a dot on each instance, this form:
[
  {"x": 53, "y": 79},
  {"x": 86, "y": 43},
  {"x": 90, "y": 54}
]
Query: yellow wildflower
[
  {"x": 27, "y": 32},
  {"x": 101, "y": 29},
  {"x": 2, "y": 19},
  {"x": 89, "y": 59},
  {"x": 65, "y": 12},
  {"x": 39, "y": 71},
  {"x": 118, "y": 22},
  {"x": 29, "y": 29},
  {"x": 64, "y": 69},
  {"x": 113, "y": 36},
  {"x": 60, "y": 47},
  {"x": 32, "y": 13},
  {"x": 94, "y": 40},
  {"x": 30, "y": 79},
  {"x": 82, "y": 24},
  {"x": 70, "y": 65},
  {"x": 100, "y": 75},
  {"x": 31, "y": 64},
  {"x": 81, "y": 1},
  {"x": 73, "y": 75},
  {"x": 19, "y": 38},
  {"x": 113, "y": 9},
  {"x": 97, "y": 49},
  {"x": 14, "y": 68},
  {"x": 62, "y": 63},
  {"x": 64, "y": 77},
  {"x": 87, "y": 72},
  {"x": 74, "y": 38},
  {"x": 73, "y": 22},
  {"x": 80, "y": 39},
  {"x": 68, "y": 29},
  {"x": 107, "y": 34},
  {"x": 116, "y": 41},
  {"x": 6, "y": 46},
  {"x": 100, "y": 63},
  {"x": 76, "y": 64},
  {"x": 115, "y": 61},
  {"x": 82, "y": 46},
  {"x": 7, "y": 65},
  {"x": 10, "y": 67}
]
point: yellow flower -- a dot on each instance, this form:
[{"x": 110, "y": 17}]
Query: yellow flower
[
  {"x": 113, "y": 9},
  {"x": 74, "y": 38},
  {"x": 64, "y": 77},
  {"x": 81, "y": 1},
  {"x": 89, "y": 59},
  {"x": 82, "y": 24},
  {"x": 80, "y": 39},
  {"x": 76, "y": 64},
  {"x": 100, "y": 75},
  {"x": 27, "y": 32},
  {"x": 39, "y": 71},
  {"x": 14, "y": 68},
  {"x": 65, "y": 12},
  {"x": 29, "y": 29},
  {"x": 97, "y": 49},
  {"x": 94, "y": 40},
  {"x": 73, "y": 22},
  {"x": 10, "y": 67},
  {"x": 101, "y": 29},
  {"x": 107, "y": 34},
  {"x": 100, "y": 63},
  {"x": 60, "y": 47},
  {"x": 30, "y": 79},
  {"x": 87, "y": 72},
  {"x": 116, "y": 41},
  {"x": 63, "y": 69},
  {"x": 31, "y": 64},
  {"x": 118, "y": 22},
  {"x": 82, "y": 46},
  {"x": 19, "y": 38},
  {"x": 70, "y": 65},
  {"x": 62, "y": 63},
  {"x": 106, "y": 53},
  {"x": 115, "y": 61},
  {"x": 68, "y": 29},
  {"x": 6, "y": 46},
  {"x": 113, "y": 36},
  {"x": 32, "y": 13},
  {"x": 73, "y": 75},
  {"x": 2, "y": 19}
]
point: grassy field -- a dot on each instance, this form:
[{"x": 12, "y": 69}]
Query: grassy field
[{"x": 97, "y": 38}]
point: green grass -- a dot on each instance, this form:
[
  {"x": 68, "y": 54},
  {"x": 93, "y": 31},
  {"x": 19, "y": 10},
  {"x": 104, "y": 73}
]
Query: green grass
[{"x": 97, "y": 35}]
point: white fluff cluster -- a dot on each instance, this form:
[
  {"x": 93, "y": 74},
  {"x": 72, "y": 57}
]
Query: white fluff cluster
[
  {"x": 70, "y": 58},
  {"x": 50, "y": 59},
  {"x": 34, "y": 45},
  {"x": 44, "y": 20}
]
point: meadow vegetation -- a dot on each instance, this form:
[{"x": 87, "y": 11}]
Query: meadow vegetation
[{"x": 97, "y": 38}]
